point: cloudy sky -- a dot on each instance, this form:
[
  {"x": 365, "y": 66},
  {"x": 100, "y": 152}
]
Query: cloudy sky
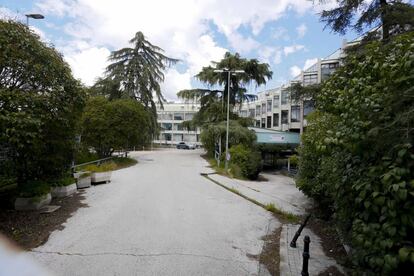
[{"x": 286, "y": 34}]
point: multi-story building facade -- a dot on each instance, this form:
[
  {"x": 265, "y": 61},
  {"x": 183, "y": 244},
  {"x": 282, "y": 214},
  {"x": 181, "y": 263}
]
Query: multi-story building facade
[
  {"x": 273, "y": 109},
  {"x": 170, "y": 120}
]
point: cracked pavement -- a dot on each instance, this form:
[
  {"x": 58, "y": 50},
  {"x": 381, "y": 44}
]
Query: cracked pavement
[{"x": 160, "y": 217}]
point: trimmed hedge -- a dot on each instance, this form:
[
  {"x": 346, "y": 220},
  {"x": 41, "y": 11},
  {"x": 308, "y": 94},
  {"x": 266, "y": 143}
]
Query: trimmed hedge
[{"x": 247, "y": 160}]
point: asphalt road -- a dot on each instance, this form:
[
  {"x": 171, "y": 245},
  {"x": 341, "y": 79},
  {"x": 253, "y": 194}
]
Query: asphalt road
[{"x": 160, "y": 217}]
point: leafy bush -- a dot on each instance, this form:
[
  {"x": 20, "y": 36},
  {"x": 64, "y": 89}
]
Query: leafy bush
[
  {"x": 249, "y": 161},
  {"x": 105, "y": 167},
  {"x": 65, "y": 181},
  {"x": 84, "y": 155},
  {"x": 34, "y": 188},
  {"x": 294, "y": 160},
  {"x": 119, "y": 124},
  {"x": 237, "y": 135},
  {"x": 40, "y": 105},
  {"x": 358, "y": 157}
]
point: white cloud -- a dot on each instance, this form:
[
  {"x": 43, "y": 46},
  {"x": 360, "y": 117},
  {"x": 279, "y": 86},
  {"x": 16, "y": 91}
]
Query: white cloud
[
  {"x": 181, "y": 28},
  {"x": 287, "y": 50},
  {"x": 174, "y": 82},
  {"x": 280, "y": 33},
  {"x": 270, "y": 54},
  {"x": 6, "y": 13},
  {"x": 242, "y": 44},
  {"x": 87, "y": 62},
  {"x": 309, "y": 63},
  {"x": 301, "y": 29},
  {"x": 295, "y": 70},
  {"x": 278, "y": 57}
]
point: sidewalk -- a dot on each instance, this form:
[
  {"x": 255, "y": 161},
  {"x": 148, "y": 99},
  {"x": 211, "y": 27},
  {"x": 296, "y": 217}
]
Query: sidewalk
[
  {"x": 279, "y": 190},
  {"x": 282, "y": 192}
]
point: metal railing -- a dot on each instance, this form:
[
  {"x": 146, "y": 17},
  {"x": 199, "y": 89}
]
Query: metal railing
[{"x": 99, "y": 161}]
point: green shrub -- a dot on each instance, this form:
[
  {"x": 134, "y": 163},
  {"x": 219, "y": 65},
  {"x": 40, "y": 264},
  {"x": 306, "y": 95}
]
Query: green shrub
[
  {"x": 237, "y": 135},
  {"x": 107, "y": 166},
  {"x": 34, "y": 188},
  {"x": 83, "y": 155},
  {"x": 294, "y": 160},
  {"x": 65, "y": 181},
  {"x": 249, "y": 161},
  {"x": 357, "y": 156},
  {"x": 85, "y": 175}
]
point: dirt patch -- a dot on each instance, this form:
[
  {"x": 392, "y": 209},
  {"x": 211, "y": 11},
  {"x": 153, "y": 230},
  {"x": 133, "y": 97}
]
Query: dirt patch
[
  {"x": 32, "y": 229},
  {"x": 261, "y": 178},
  {"x": 270, "y": 253},
  {"x": 331, "y": 243},
  {"x": 331, "y": 271}
]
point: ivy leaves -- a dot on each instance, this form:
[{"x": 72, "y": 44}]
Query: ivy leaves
[{"x": 361, "y": 140}]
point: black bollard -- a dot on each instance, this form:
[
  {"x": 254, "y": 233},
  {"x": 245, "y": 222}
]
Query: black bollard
[
  {"x": 306, "y": 256},
  {"x": 297, "y": 234}
]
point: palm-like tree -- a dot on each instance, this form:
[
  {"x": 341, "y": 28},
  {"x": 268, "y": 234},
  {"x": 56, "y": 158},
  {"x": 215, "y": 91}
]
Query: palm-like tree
[{"x": 254, "y": 71}]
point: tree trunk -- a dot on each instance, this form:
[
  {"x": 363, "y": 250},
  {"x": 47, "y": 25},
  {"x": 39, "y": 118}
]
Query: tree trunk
[{"x": 384, "y": 19}]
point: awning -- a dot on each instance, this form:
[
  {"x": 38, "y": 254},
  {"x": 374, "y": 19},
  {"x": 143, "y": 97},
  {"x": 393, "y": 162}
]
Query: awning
[{"x": 268, "y": 136}]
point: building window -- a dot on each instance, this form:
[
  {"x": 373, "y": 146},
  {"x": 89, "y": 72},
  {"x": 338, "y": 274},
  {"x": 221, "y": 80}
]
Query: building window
[
  {"x": 168, "y": 116},
  {"x": 257, "y": 123},
  {"x": 258, "y": 110},
  {"x": 327, "y": 69},
  {"x": 263, "y": 108},
  {"x": 167, "y": 136},
  {"x": 251, "y": 113},
  {"x": 263, "y": 123},
  {"x": 276, "y": 101},
  {"x": 285, "y": 116},
  {"x": 308, "y": 107},
  {"x": 269, "y": 121},
  {"x": 275, "y": 119},
  {"x": 243, "y": 113},
  {"x": 189, "y": 116},
  {"x": 295, "y": 114},
  {"x": 285, "y": 97},
  {"x": 178, "y": 127},
  {"x": 166, "y": 126},
  {"x": 310, "y": 79},
  {"x": 178, "y": 116},
  {"x": 269, "y": 105}
]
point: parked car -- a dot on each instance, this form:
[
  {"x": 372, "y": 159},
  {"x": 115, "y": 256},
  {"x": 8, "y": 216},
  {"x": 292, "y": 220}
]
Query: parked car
[
  {"x": 182, "y": 145},
  {"x": 192, "y": 146}
]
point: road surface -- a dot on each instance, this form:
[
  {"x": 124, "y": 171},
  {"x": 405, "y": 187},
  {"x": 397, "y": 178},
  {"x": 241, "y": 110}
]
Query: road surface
[{"x": 160, "y": 217}]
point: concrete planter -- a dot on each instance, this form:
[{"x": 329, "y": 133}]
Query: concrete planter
[
  {"x": 101, "y": 177},
  {"x": 32, "y": 203},
  {"x": 83, "y": 182},
  {"x": 63, "y": 191},
  {"x": 76, "y": 175}
]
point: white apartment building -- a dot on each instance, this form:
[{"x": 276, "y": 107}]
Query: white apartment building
[
  {"x": 273, "y": 108},
  {"x": 170, "y": 120}
]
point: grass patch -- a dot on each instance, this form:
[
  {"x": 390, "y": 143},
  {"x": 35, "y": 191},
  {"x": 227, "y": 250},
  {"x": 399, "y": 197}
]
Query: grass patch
[
  {"x": 66, "y": 181},
  {"x": 114, "y": 164},
  {"x": 280, "y": 214},
  {"x": 233, "y": 171},
  {"x": 124, "y": 162}
]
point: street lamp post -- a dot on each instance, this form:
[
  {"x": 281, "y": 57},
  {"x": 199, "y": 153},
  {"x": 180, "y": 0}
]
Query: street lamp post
[
  {"x": 34, "y": 16},
  {"x": 229, "y": 72}
]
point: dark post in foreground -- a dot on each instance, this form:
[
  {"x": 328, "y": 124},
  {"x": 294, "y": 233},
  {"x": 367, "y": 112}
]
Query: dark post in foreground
[
  {"x": 306, "y": 256},
  {"x": 297, "y": 234}
]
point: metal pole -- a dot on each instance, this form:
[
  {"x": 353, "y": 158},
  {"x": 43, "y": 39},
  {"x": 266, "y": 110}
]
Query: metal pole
[
  {"x": 27, "y": 21},
  {"x": 306, "y": 256},
  {"x": 228, "y": 115},
  {"x": 297, "y": 234}
]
